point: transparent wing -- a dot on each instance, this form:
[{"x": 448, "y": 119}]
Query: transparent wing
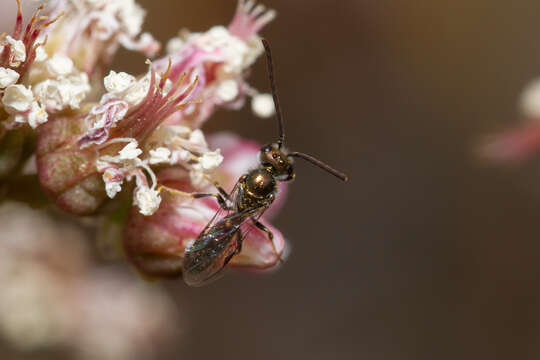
[
  {"x": 221, "y": 212},
  {"x": 214, "y": 248},
  {"x": 246, "y": 227}
]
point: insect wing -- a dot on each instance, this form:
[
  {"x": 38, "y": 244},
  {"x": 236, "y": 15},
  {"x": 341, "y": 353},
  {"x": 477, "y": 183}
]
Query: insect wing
[{"x": 214, "y": 247}]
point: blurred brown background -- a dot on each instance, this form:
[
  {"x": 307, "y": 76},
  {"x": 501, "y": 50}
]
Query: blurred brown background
[{"x": 426, "y": 253}]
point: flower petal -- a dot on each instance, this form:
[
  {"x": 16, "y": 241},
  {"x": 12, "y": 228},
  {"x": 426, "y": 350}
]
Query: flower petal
[{"x": 257, "y": 249}]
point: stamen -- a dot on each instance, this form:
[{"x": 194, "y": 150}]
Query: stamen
[
  {"x": 116, "y": 140},
  {"x": 165, "y": 75},
  {"x": 259, "y": 9},
  {"x": 18, "y": 24},
  {"x": 188, "y": 91},
  {"x": 181, "y": 106},
  {"x": 266, "y": 18},
  {"x": 32, "y": 22},
  {"x": 151, "y": 173},
  {"x": 248, "y": 5},
  {"x": 173, "y": 191},
  {"x": 153, "y": 71},
  {"x": 181, "y": 80},
  {"x": 192, "y": 86},
  {"x": 53, "y": 20},
  {"x": 43, "y": 43}
]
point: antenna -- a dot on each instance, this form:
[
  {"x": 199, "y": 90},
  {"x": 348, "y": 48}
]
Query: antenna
[
  {"x": 279, "y": 114},
  {"x": 320, "y": 164}
]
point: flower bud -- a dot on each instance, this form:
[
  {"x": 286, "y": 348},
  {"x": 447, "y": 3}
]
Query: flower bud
[
  {"x": 66, "y": 173},
  {"x": 156, "y": 244}
]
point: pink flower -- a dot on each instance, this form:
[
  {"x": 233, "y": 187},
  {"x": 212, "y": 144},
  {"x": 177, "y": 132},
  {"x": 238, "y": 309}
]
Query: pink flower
[
  {"x": 74, "y": 152},
  {"x": 90, "y": 32},
  {"x": 512, "y": 146},
  {"x": 520, "y": 143},
  {"x": 18, "y": 50},
  {"x": 56, "y": 297},
  {"x": 220, "y": 57},
  {"x": 156, "y": 244}
]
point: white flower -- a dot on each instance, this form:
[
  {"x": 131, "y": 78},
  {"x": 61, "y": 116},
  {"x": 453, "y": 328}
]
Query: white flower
[
  {"x": 175, "y": 45},
  {"x": 182, "y": 155},
  {"x": 530, "y": 100},
  {"x": 218, "y": 38},
  {"x": 197, "y": 137},
  {"x": 103, "y": 117},
  {"x": 117, "y": 83},
  {"x": 17, "y": 98},
  {"x": 131, "y": 15},
  {"x": 197, "y": 177},
  {"x": 233, "y": 49},
  {"x": 34, "y": 117},
  {"x": 178, "y": 130},
  {"x": 211, "y": 160},
  {"x": 64, "y": 92},
  {"x": 145, "y": 44},
  {"x": 18, "y": 51},
  {"x": 77, "y": 86},
  {"x": 59, "y": 65},
  {"x": 263, "y": 105},
  {"x": 138, "y": 90},
  {"x": 7, "y": 77},
  {"x": 112, "y": 188},
  {"x": 159, "y": 155},
  {"x": 228, "y": 90},
  {"x": 41, "y": 54},
  {"x": 113, "y": 179},
  {"x": 147, "y": 200},
  {"x": 37, "y": 115},
  {"x": 130, "y": 151}
]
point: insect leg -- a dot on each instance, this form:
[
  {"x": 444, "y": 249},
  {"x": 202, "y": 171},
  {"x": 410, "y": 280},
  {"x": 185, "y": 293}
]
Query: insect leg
[
  {"x": 261, "y": 226},
  {"x": 240, "y": 240},
  {"x": 220, "y": 199},
  {"x": 222, "y": 191}
]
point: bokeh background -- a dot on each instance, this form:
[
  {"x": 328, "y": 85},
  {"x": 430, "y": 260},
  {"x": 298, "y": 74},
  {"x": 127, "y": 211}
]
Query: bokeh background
[{"x": 427, "y": 252}]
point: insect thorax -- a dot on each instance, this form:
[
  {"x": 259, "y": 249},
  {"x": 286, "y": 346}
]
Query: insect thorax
[{"x": 258, "y": 188}]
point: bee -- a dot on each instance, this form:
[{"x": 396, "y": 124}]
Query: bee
[{"x": 252, "y": 195}]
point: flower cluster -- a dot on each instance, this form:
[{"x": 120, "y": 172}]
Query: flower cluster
[
  {"x": 97, "y": 139},
  {"x": 46, "y": 280}
]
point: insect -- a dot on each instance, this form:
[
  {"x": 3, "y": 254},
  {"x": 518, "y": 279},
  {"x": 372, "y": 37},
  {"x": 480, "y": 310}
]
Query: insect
[{"x": 252, "y": 195}]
